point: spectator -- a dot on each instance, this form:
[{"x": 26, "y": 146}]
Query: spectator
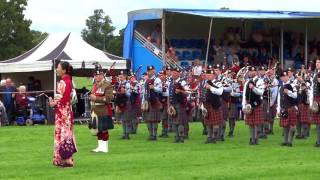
[
  {"x": 172, "y": 54},
  {"x": 263, "y": 56},
  {"x": 197, "y": 68},
  {"x": 21, "y": 98},
  {"x": 30, "y": 84},
  {"x": 156, "y": 36},
  {"x": 37, "y": 85},
  {"x": 8, "y": 99},
  {"x": 3, "y": 113}
]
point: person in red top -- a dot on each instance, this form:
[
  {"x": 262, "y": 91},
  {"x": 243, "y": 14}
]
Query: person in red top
[
  {"x": 64, "y": 141},
  {"x": 21, "y": 98}
]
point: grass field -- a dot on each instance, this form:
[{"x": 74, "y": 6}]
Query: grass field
[{"x": 26, "y": 153}]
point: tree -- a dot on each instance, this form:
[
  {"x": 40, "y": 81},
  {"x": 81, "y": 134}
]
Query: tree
[
  {"x": 15, "y": 33},
  {"x": 38, "y": 36},
  {"x": 115, "y": 46},
  {"x": 99, "y": 33}
]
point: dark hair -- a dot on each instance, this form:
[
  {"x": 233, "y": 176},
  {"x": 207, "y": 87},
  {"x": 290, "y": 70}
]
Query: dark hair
[{"x": 66, "y": 66}]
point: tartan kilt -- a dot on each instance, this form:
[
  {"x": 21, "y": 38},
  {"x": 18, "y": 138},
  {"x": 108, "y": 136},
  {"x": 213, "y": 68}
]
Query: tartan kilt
[
  {"x": 266, "y": 115},
  {"x": 214, "y": 117},
  {"x": 256, "y": 117},
  {"x": 164, "y": 112},
  {"x": 292, "y": 118},
  {"x": 233, "y": 111},
  {"x": 225, "y": 110},
  {"x": 273, "y": 110},
  {"x": 154, "y": 114},
  {"x": 104, "y": 123},
  {"x": 316, "y": 117},
  {"x": 304, "y": 113},
  {"x": 181, "y": 117}
]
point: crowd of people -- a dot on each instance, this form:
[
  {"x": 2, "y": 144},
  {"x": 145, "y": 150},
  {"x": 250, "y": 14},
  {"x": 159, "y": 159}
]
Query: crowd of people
[
  {"x": 13, "y": 98},
  {"x": 261, "y": 47}
]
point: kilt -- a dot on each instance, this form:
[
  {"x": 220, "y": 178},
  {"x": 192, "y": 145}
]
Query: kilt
[
  {"x": 292, "y": 118},
  {"x": 164, "y": 112},
  {"x": 256, "y": 117},
  {"x": 316, "y": 117},
  {"x": 181, "y": 117},
  {"x": 233, "y": 111},
  {"x": 225, "y": 110},
  {"x": 153, "y": 115},
  {"x": 304, "y": 113},
  {"x": 126, "y": 115},
  {"x": 105, "y": 123},
  {"x": 214, "y": 117},
  {"x": 266, "y": 115}
]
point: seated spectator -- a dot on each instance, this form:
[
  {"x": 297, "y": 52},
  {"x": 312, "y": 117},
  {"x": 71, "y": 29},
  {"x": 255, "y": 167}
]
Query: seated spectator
[
  {"x": 263, "y": 56},
  {"x": 21, "y": 97},
  {"x": 197, "y": 68},
  {"x": 314, "y": 54}
]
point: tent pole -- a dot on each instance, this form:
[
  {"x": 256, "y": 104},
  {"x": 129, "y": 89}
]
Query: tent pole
[
  {"x": 163, "y": 39},
  {"x": 54, "y": 78},
  {"x": 306, "y": 44},
  {"x": 281, "y": 50},
  {"x": 208, "y": 44}
]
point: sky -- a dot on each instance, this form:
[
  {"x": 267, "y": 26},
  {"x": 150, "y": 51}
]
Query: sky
[{"x": 69, "y": 15}]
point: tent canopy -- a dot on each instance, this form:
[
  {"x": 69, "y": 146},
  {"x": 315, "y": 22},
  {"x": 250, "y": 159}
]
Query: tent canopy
[
  {"x": 146, "y": 14},
  {"x": 62, "y": 46}
]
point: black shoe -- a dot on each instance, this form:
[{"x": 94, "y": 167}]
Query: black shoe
[
  {"x": 154, "y": 138},
  {"x": 298, "y": 137},
  {"x": 289, "y": 144},
  {"x": 251, "y": 142},
  {"x": 176, "y": 141},
  {"x": 204, "y": 132},
  {"x": 150, "y": 138},
  {"x": 317, "y": 145},
  {"x": 230, "y": 134},
  {"x": 181, "y": 140},
  {"x": 123, "y": 137},
  {"x": 134, "y": 132},
  {"x": 208, "y": 141},
  {"x": 256, "y": 142},
  {"x": 284, "y": 144},
  {"x": 164, "y": 136}
]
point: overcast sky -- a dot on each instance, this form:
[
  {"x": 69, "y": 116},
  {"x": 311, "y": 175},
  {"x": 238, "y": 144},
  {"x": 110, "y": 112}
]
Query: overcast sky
[{"x": 70, "y": 15}]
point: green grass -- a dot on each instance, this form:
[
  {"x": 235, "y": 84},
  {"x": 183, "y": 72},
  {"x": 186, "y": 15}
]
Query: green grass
[
  {"x": 83, "y": 82},
  {"x": 26, "y": 153}
]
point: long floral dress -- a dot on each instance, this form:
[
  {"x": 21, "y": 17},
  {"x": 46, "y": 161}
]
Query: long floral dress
[{"x": 64, "y": 141}]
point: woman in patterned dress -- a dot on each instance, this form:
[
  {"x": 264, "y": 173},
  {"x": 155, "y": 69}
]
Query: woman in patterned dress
[{"x": 64, "y": 142}]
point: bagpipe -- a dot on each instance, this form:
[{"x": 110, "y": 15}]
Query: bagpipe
[{"x": 120, "y": 97}]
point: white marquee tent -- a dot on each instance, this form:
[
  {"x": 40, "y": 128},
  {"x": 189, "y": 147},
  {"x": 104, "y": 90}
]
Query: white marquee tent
[{"x": 38, "y": 61}]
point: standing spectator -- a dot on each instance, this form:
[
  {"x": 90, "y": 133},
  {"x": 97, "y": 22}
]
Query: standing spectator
[
  {"x": 172, "y": 54},
  {"x": 156, "y": 36},
  {"x": 30, "y": 84},
  {"x": 8, "y": 99},
  {"x": 3, "y": 113}
]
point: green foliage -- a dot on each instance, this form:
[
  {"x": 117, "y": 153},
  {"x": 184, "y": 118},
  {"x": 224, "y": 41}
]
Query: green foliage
[
  {"x": 15, "y": 34},
  {"x": 26, "y": 153},
  {"x": 99, "y": 32}
]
